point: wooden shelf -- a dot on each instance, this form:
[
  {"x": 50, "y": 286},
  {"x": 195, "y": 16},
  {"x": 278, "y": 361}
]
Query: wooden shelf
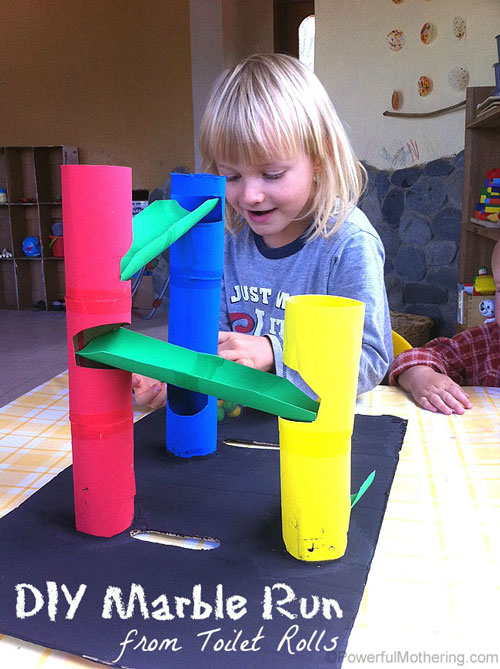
[
  {"x": 29, "y": 204},
  {"x": 31, "y": 172},
  {"x": 488, "y": 119},
  {"x": 488, "y": 233},
  {"x": 482, "y": 152},
  {"x": 22, "y": 204}
]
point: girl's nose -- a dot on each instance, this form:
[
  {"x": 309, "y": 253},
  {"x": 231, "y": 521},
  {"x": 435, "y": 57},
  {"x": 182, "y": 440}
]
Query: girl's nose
[{"x": 252, "y": 192}]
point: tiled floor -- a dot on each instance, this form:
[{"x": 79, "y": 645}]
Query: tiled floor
[{"x": 33, "y": 347}]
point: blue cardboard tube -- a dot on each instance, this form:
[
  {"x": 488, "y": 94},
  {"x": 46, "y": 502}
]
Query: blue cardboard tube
[{"x": 196, "y": 262}]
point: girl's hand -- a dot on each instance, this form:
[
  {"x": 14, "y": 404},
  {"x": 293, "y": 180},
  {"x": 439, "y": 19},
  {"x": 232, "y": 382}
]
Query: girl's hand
[
  {"x": 149, "y": 394},
  {"x": 434, "y": 391},
  {"x": 247, "y": 350}
]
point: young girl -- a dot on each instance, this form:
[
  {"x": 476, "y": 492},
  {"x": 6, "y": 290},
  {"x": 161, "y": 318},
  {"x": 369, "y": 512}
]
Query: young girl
[{"x": 292, "y": 223}]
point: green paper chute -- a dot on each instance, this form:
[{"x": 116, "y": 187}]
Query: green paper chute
[
  {"x": 355, "y": 497},
  {"x": 156, "y": 228},
  {"x": 201, "y": 372}
]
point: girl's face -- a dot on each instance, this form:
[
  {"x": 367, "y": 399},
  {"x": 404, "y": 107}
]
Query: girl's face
[{"x": 272, "y": 197}]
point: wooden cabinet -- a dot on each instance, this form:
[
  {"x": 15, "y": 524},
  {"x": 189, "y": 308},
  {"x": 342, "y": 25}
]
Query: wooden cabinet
[
  {"x": 482, "y": 152},
  {"x": 31, "y": 177}
]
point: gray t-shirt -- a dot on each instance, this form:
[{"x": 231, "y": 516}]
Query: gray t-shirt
[{"x": 258, "y": 279}]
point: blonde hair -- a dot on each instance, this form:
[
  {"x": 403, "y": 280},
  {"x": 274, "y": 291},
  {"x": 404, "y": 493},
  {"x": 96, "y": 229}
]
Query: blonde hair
[{"x": 272, "y": 106}]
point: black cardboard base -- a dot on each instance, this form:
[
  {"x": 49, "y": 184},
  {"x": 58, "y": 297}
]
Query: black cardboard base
[{"x": 232, "y": 496}]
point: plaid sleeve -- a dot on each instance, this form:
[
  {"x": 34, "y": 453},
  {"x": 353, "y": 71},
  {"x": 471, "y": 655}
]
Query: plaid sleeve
[
  {"x": 455, "y": 357},
  {"x": 415, "y": 356}
]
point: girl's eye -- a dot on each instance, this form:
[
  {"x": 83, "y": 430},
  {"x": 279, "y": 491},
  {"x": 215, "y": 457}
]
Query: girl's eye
[
  {"x": 274, "y": 175},
  {"x": 231, "y": 177}
]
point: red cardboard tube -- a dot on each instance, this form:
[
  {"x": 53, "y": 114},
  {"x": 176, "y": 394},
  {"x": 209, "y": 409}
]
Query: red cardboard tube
[{"x": 97, "y": 214}]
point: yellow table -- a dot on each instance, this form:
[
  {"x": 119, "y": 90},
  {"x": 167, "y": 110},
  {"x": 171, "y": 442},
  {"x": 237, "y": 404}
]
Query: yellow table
[
  {"x": 433, "y": 591},
  {"x": 434, "y": 583}
]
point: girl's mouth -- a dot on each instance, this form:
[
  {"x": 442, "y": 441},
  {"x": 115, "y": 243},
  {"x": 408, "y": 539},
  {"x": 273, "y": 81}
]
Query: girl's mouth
[{"x": 259, "y": 216}]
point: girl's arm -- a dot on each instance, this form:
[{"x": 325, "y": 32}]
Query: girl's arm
[
  {"x": 433, "y": 373},
  {"x": 445, "y": 356},
  {"x": 358, "y": 273},
  {"x": 434, "y": 391}
]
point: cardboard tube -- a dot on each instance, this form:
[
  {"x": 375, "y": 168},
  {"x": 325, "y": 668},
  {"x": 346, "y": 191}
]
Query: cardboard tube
[
  {"x": 194, "y": 303},
  {"x": 323, "y": 343},
  {"x": 97, "y": 212}
]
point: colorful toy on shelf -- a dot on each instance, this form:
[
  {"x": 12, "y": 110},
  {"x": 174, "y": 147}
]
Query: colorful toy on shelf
[
  {"x": 31, "y": 247},
  {"x": 3, "y": 196},
  {"x": 488, "y": 207},
  {"x": 483, "y": 283},
  {"x": 57, "y": 228},
  {"x": 56, "y": 245},
  {"x": 487, "y": 309}
]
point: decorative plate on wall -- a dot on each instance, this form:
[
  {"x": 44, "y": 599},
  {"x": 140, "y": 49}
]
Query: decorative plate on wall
[
  {"x": 427, "y": 33},
  {"x": 396, "y": 99},
  {"x": 459, "y": 27},
  {"x": 458, "y": 78},
  {"x": 424, "y": 86},
  {"x": 396, "y": 40}
]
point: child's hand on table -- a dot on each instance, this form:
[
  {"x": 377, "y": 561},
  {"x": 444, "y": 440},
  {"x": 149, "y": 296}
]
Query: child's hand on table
[
  {"x": 247, "y": 350},
  {"x": 434, "y": 391}
]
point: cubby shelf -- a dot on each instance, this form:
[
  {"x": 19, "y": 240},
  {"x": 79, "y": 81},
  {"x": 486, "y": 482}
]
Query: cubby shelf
[
  {"x": 31, "y": 177},
  {"x": 482, "y": 152}
]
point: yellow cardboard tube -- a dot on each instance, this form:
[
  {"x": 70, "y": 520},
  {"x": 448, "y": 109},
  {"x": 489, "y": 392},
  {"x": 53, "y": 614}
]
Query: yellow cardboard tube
[{"x": 322, "y": 342}]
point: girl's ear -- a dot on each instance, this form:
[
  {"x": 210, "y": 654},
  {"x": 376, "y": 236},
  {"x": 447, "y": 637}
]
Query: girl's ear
[{"x": 316, "y": 170}]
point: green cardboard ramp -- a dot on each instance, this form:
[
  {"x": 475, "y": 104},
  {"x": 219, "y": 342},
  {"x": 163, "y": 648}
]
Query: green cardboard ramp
[
  {"x": 156, "y": 228},
  {"x": 201, "y": 372}
]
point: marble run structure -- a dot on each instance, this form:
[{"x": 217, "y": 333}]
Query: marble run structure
[{"x": 103, "y": 249}]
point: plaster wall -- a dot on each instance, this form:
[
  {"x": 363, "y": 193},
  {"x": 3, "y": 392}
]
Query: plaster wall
[
  {"x": 359, "y": 70},
  {"x": 222, "y": 33},
  {"x": 207, "y": 59},
  {"x": 112, "y": 78},
  {"x": 247, "y": 29}
]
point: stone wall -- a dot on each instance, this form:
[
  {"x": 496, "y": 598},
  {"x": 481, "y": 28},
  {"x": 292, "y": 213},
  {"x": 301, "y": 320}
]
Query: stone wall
[{"x": 417, "y": 212}]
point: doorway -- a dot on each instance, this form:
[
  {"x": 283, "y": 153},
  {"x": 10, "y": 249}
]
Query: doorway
[{"x": 288, "y": 15}]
